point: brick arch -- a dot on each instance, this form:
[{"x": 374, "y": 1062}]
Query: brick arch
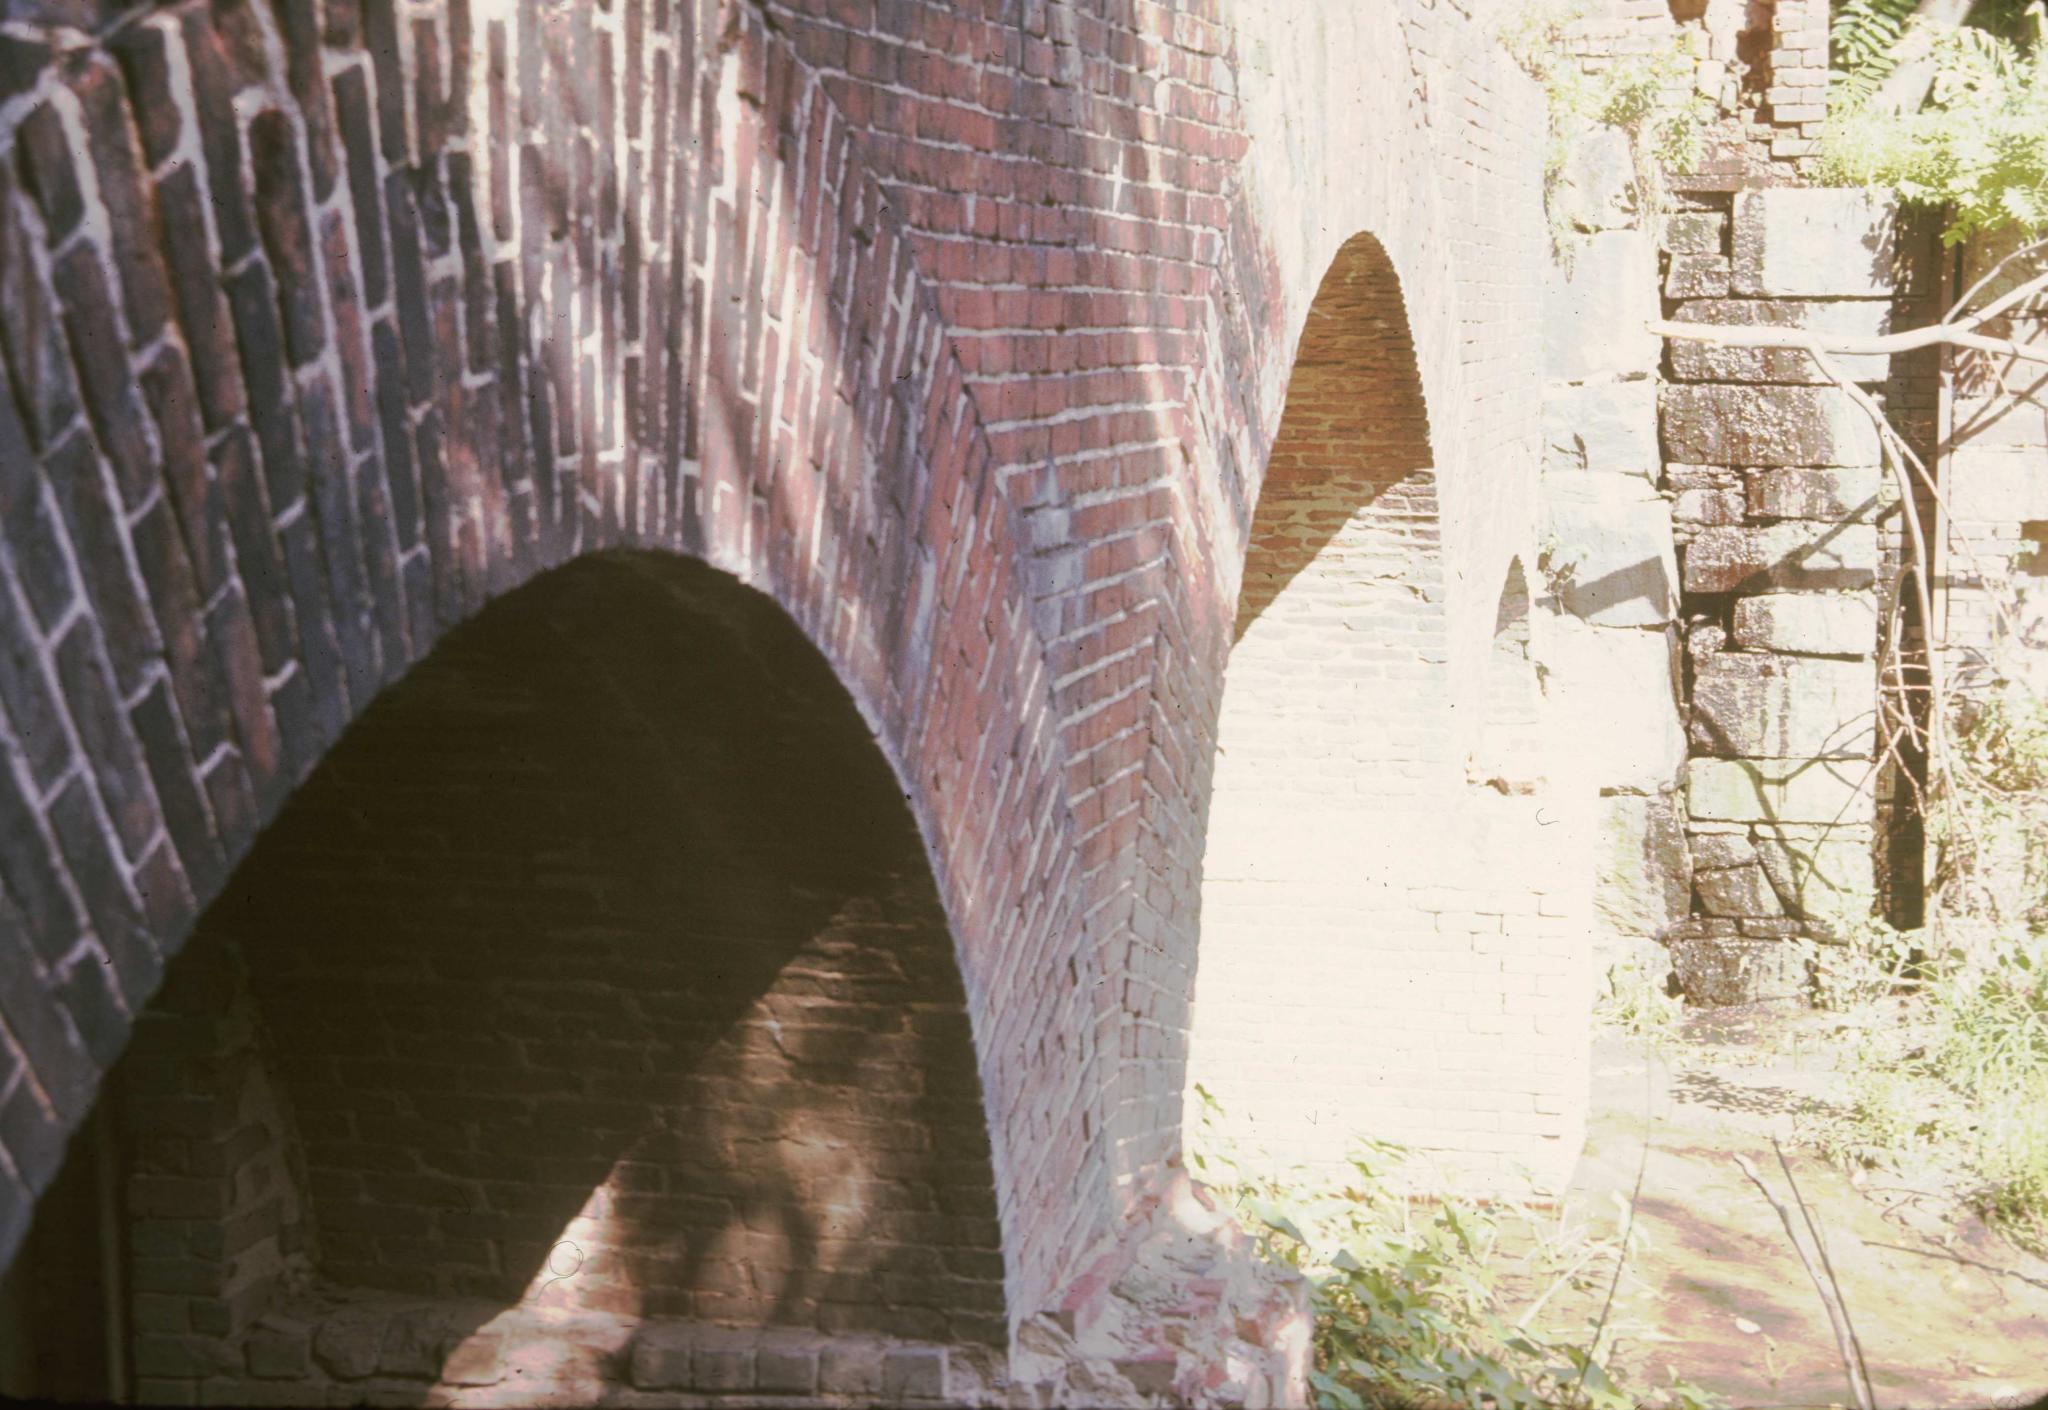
[
  {"x": 597, "y": 971},
  {"x": 321, "y": 336},
  {"x": 1334, "y": 742},
  {"x": 1509, "y": 755},
  {"x": 1407, "y": 121}
]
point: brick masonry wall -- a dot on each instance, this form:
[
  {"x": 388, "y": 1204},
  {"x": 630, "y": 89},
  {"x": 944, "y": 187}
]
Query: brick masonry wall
[
  {"x": 1765, "y": 65},
  {"x": 1335, "y": 902},
  {"x": 370, "y": 404},
  {"x": 961, "y": 332},
  {"x": 1354, "y": 117},
  {"x": 531, "y": 1056}
]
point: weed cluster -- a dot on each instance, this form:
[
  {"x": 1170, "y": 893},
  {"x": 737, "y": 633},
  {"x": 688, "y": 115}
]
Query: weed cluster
[
  {"x": 1639, "y": 1003},
  {"x": 1957, "y": 1072},
  {"x": 1654, "y": 97},
  {"x": 1410, "y": 1298},
  {"x": 1976, "y": 146}
]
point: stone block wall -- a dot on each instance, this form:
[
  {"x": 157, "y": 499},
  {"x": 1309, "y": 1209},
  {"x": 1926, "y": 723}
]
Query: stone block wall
[
  {"x": 1606, "y": 575},
  {"x": 1788, "y": 527}
]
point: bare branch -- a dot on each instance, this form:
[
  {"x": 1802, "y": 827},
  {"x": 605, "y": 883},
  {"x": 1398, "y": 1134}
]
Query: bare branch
[
  {"x": 1955, "y": 335},
  {"x": 2004, "y": 301},
  {"x": 1830, "y": 1295}
]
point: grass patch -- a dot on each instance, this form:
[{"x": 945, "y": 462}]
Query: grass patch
[
  {"x": 1411, "y": 1294},
  {"x": 1955, "y": 1073},
  {"x": 1639, "y": 1003}
]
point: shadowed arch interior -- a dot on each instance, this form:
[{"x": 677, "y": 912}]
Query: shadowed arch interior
[
  {"x": 1354, "y": 436},
  {"x": 1509, "y": 756},
  {"x": 598, "y": 966}
]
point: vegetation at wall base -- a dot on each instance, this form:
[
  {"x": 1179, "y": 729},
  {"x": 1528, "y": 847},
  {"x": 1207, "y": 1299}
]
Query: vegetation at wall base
[
  {"x": 1410, "y": 1308},
  {"x": 1948, "y": 1067},
  {"x": 1636, "y": 1002}
]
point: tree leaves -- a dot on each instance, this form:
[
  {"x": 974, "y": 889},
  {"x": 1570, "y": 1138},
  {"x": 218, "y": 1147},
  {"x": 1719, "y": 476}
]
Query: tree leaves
[{"x": 1978, "y": 145}]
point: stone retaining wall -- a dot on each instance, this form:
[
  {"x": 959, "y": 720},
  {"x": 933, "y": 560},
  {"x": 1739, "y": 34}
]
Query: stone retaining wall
[{"x": 1788, "y": 531}]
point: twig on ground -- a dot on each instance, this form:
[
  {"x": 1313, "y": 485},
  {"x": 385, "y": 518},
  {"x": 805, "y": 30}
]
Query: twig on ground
[
  {"x": 1627, "y": 1229},
  {"x": 1830, "y": 1292},
  {"x": 1821, "y": 1243}
]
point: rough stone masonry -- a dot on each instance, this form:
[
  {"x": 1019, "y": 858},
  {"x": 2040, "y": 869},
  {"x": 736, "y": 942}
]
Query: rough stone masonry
[{"x": 951, "y": 342}]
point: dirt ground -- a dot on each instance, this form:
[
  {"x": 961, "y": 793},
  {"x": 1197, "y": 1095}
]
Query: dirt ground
[{"x": 1950, "y": 1314}]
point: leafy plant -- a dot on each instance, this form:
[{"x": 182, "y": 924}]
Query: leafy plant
[
  {"x": 1653, "y": 97},
  {"x": 1866, "y": 961},
  {"x": 1977, "y": 146},
  {"x": 1959, "y": 1076},
  {"x": 1408, "y": 1298},
  {"x": 1638, "y": 1003},
  {"x": 1991, "y": 842},
  {"x": 1862, "y": 45}
]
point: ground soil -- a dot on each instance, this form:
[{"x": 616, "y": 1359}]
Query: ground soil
[{"x": 1949, "y": 1313}]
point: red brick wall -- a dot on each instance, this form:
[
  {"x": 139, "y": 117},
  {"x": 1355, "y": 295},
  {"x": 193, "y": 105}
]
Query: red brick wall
[
  {"x": 598, "y": 967},
  {"x": 960, "y": 331}
]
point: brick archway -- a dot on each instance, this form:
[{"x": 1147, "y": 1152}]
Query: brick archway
[
  {"x": 597, "y": 972},
  {"x": 1406, "y": 931},
  {"x": 960, "y": 333},
  {"x": 1334, "y": 743},
  {"x": 1510, "y": 753},
  {"x": 311, "y": 360}
]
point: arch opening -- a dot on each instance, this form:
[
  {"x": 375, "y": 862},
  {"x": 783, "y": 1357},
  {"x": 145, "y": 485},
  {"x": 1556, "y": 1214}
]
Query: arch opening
[
  {"x": 1378, "y": 938},
  {"x": 596, "y": 978}
]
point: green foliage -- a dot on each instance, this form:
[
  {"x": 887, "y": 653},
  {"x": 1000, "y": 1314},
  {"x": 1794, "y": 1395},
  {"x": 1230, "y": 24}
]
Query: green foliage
[
  {"x": 1408, "y": 1300},
  {"x": 1991, "y": 838},
  {"x": 1861, "y": 45},
  {"x": 1653, "y": 97},
  {"x": 1958, "y": 1073},
  {"x": 1867, "y": 961},
  {"x": 1978, "y": 145},
  {"x": 1637, "y": 1003},
  {"x": 2005, "y": 741},
  {"x": 1994, "y": 1033}
]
